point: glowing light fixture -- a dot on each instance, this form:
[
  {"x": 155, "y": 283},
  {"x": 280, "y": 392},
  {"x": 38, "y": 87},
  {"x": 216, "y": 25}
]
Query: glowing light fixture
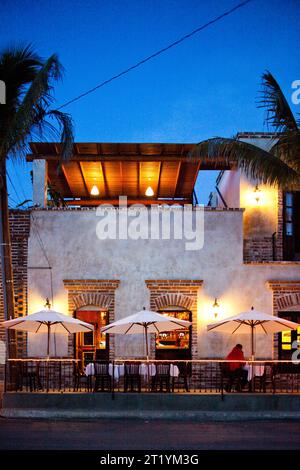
[
  {"x": 47, "y": 304},
  {"x": 95, "y": 191},
  {"x": 216, "y": 308},
  {"x": 257, "y": 194},
  {"x": 149, "y": 192}
]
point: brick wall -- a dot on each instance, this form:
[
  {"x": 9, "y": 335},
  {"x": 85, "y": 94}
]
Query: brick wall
[
  {"x": 258, "y": 249},
  {"x": 96, "y": 292},
  {"x": 19, "y": 228},
  {"x": 170, "y": 293},
  {"x": 261, "y": 249},
  {"x": 286, "y": 294}
]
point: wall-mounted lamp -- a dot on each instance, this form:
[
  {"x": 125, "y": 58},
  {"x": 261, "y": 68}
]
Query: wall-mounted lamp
[
  {"x": 257, "y": 194},
  {"x": 95, "y": 190},
  {"x": 216, "y": 308},
  {"x": 48, "y": 303}
]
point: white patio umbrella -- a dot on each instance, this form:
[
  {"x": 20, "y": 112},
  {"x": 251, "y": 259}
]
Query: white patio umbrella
[
  {"x": 254, "y": 322},
  {"x": 145, "y": 321},
  {"x": 45, "y": 320}
]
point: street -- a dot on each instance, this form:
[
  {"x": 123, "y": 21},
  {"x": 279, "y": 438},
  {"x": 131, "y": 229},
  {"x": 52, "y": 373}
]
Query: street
[{"x": 148, "y": 435}]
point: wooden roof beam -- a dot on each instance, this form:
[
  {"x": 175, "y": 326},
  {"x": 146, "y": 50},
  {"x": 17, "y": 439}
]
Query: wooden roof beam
[
  {"x": 115, "y": 202},
  {"x": 177, "y": 179},
  {"x": 104, "y": 179}
]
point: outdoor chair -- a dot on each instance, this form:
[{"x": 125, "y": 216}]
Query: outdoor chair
[
  {"x": 285, "y": 377},
  {"x": 28, "y": 376},
  {"x": 81, "y": 378},
  {"x": 161, "y": 378},
  {"x": 185, "y": 372},
  {"x": 103, "y": 380},
  {"x": 258, "y": 383},
  {"x": 229, "y": 379},
  {"x": 132, "y": 376}
]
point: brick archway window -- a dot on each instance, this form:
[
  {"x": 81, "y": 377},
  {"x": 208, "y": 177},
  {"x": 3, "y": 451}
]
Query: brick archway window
[{"x": 183, "y": 294}]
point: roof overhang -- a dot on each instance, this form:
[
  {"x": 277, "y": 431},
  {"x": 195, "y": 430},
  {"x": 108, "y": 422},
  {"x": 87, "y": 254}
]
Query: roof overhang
[{"x": 122, "y": 169}]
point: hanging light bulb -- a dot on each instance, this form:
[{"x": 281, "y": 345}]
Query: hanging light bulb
[
  {"x": 95, "y": 191},
  {"x": 149, "y": 192}
]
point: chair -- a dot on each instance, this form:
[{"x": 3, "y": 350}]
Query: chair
[
  {"x": 162, "y": 377},
  {"x": 132, "y": 376},
  {"x": 230, "y": 379},
  {"x": 102, "y": 377},
  {"x": 185, "y": 372},
  {"x": 28, "y": 376},
  {"x": 259, "y": 382},
  {"x": 79, "y": 376}
]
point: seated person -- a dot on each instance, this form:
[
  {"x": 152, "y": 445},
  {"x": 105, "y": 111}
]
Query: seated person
[{"x": 236, "y": 369}]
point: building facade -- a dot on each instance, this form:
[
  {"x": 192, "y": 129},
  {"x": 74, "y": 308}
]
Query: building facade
[{"x": 240, "y": 251}]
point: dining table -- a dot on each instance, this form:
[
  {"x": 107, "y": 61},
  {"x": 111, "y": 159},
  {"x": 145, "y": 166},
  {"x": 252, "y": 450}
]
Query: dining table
[{"x": 118, "y": 370}]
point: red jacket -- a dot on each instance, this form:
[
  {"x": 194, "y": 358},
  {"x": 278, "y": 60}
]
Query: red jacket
[{"x": 237, "y": 355}]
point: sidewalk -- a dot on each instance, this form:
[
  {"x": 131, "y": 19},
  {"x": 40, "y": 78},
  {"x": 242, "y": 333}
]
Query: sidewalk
[{"x": 184, "y": 406}]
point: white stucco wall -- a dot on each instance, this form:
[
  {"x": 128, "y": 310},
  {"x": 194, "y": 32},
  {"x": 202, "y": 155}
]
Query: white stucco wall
[
  {"x": 229, "y": 186},
  {"x": 75, "y": 252}
]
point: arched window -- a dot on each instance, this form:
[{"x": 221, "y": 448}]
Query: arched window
[{"x": 174, "y": 344}]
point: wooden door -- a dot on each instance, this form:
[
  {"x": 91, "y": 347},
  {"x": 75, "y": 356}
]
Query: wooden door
[{"x": 92, "y": 346}]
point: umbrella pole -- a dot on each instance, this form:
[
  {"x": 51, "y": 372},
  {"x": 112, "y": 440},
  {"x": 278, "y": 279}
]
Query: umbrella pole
[
  {"x": 252, "y": 342},
  {"x": 146, "y": 339},
  {"x": 48, "y": 354},
  {"x": 48, "y": 340},
  {"x": 147, "y": 354}
]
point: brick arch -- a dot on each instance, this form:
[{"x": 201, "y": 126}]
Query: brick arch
[
  {"x": 288, "y": 300},
  {"x": 92, "y": 298},
  {"x": 174, "y": 300}
]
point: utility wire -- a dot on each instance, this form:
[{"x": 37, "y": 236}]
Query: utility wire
[
  {"x": 13, "y": 186},
  {"x": 20, "y": 182},
  {"x": 42, "y": 246},
  {"x": 157, "y": 53}
]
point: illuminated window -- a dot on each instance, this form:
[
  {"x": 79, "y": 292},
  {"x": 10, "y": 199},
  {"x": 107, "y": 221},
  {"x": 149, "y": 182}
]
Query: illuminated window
[
  {"x": 175, "y": 340},
  {"x": 289, "y": 226},
  {"x": 287, "y": 339},
  {"x": 88, "y": 338}
]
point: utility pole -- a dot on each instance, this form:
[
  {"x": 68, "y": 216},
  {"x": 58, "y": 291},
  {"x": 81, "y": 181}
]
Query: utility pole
[{"x": 6, "y": 262}]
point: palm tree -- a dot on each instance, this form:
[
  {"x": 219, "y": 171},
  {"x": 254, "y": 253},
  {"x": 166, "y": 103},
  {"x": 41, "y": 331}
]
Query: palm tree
[
  {"x": 280, "y": 166},
  {"x": 26, "y": 115}
]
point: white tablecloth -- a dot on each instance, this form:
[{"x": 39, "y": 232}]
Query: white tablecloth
[
  {"x": 256, "y": 370},
  {"x": 119, "y": 370},
  {"x": 174, "y": 371}
]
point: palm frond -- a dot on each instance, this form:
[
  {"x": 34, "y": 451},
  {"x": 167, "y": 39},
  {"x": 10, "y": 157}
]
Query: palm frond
[
  {"x": 66, "y": 130},
  {"x": 278, "y": 111},
  {"x": 30, "y": 119},
  {"x": 254, "y": 161},
  {"x": 287, "y": 148}
]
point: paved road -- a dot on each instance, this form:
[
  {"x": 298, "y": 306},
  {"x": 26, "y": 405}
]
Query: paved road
[{"x": 147, "y": 435}]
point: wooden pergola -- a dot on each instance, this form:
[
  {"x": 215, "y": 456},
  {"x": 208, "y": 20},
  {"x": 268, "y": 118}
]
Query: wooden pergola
[{"x": 122, "y": 169}]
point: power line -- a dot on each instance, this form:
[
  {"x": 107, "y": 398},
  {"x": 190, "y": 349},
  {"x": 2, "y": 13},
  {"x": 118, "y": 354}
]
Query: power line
[
  {"x": 13, "y": 186},
  {"x": 20, "y": 183},
  {"x": 157, "y": 53},
  {"x": 42, "y": 246}
]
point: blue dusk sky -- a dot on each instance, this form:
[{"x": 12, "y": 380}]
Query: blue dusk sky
[{"x": 205, "y": 87}]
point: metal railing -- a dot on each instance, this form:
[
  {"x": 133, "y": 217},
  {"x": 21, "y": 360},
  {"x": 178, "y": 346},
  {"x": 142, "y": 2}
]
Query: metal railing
[{"x": 209, "y": 376}]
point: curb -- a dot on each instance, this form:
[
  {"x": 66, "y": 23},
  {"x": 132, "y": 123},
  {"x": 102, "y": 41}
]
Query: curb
[{"x": 149, "y": 415}]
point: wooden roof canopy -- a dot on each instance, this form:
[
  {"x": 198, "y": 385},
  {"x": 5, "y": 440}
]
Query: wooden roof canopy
[{"x": 122, "y": 169}]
